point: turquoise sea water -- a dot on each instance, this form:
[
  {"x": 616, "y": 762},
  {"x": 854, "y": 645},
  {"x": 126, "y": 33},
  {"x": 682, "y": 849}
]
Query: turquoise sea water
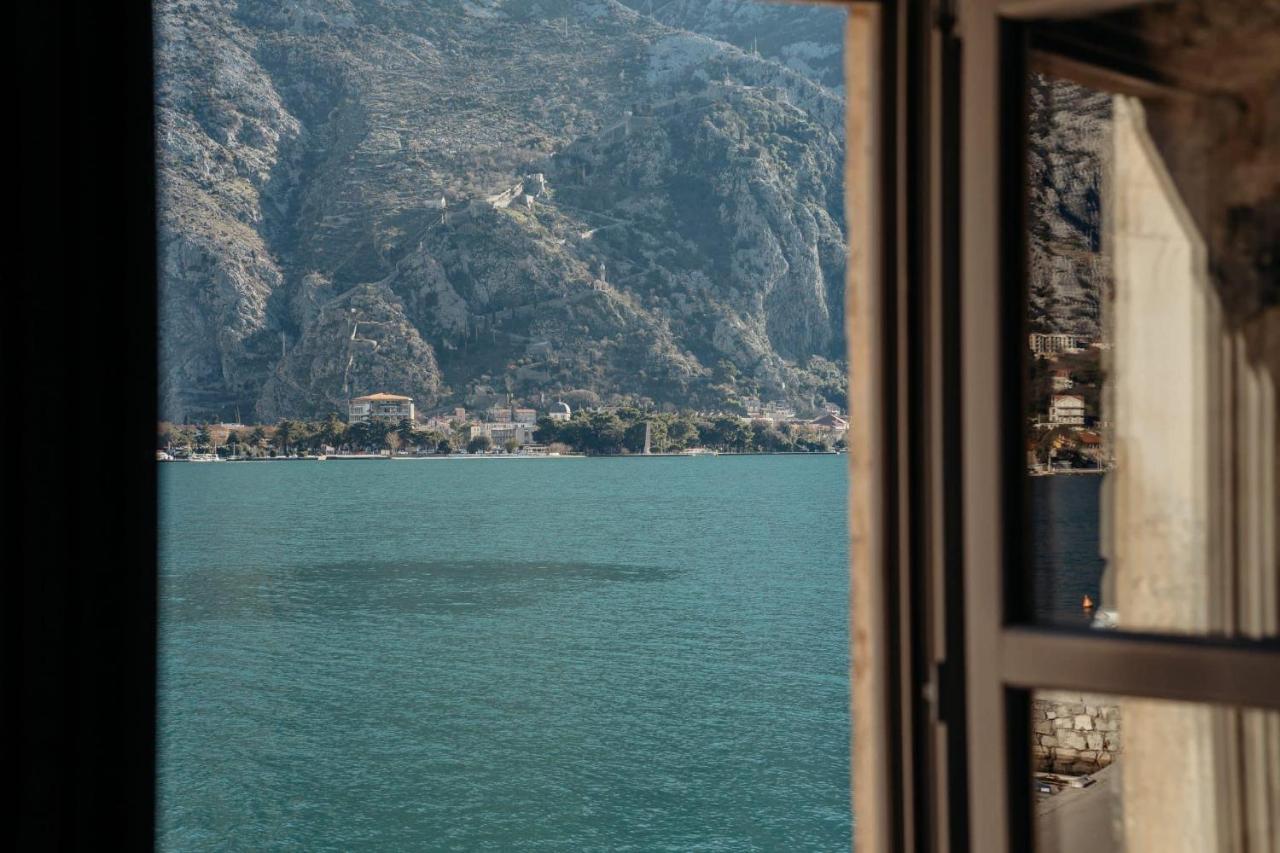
[{"x": 573, "y": 654}]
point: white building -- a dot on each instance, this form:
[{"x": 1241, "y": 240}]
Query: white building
[
  {"x": 382, "y": 407},
  {"x": 1066, "y": 410},
  {"x": 560, "y": 411},
  {"x": 502, "y": 432},
  {"x": 1051, "y": 344}
]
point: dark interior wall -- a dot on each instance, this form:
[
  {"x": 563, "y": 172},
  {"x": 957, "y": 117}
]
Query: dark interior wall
[
  {"x": 1220, "y": 145},
  {"x": 79, "y": 356}
]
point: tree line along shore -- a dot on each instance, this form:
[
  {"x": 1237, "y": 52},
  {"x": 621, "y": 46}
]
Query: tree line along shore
[{"x": 594, "y": 433}]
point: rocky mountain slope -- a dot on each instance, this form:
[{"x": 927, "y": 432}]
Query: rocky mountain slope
[
  {"x": 456, "y": 199},
  {"x": 1068, "y": 158},
  {"x": 808, "y": 39},
  {"x": 349, "y": 204}
]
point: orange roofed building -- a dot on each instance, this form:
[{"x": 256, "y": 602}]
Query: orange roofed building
[{"x": 382, "y": 407}]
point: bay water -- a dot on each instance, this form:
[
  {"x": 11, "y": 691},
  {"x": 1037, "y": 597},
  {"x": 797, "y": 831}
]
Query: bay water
[
  {"x": 505, "y": 654},
  {"x": 523, "y": 654}
]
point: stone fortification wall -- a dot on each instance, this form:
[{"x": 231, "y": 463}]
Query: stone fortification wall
[{"x": 1074, "y": 732}]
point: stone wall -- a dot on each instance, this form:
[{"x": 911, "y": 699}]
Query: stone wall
[{"x": 1074, "y": 732}]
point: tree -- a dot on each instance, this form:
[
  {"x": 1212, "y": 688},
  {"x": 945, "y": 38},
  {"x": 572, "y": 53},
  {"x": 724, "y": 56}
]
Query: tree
[
  {"x": 480, "y": 444},
  {"x": 429, "y": 440},
  {"x": 511, "y": 445},
  {"x": 304, "y": 435},
  {"x": 444, "y": 447},
  {"x": 683, "y": 433},
  {"x": 633, "y": 438},
  {"x": 767, "y": 439},
  {"x": 332, "y": 431},
  {"x": 658, "y": 440},
  {"x": 408, "y": 436},
  {"x": 378, "y": 432},
  {"x": 258, "y": 438},
  {"x": 730, "y": 433},
  {"x": 605, "y": 433},
  {"x": 359, "y": 436},
  {"x": 548, "y": 431},
  {"x": 284, "y": 435},
  {"x": 574, "y": 432}
]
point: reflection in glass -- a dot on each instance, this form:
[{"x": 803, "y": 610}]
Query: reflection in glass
[
  {"x": 1150, "y": 386},
  {"x": 1116, "y": 773}
]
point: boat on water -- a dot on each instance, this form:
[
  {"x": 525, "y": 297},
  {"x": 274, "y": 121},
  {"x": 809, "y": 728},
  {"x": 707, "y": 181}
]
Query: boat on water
[
  {"x": 204, "y": 457},
  {"x": 699, "y": 451}
]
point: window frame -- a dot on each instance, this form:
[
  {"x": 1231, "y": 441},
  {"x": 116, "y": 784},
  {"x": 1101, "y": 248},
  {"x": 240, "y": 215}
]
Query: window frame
[
  {"x": 939, "y": 665},
  {"x": 1008, "y": 36},
  {"x": 939, "y": 605}
]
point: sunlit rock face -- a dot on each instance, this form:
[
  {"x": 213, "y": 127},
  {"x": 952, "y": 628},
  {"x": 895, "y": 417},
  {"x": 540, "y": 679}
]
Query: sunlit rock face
[
  {"x": 1068, "y": 156},
  {"x": 370, "y": 165}
]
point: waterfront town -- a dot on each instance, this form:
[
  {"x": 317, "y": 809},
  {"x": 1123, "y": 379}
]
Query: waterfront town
[
  {"x": 388, "y": 425},
  {"x": 1067, "y": 433}
]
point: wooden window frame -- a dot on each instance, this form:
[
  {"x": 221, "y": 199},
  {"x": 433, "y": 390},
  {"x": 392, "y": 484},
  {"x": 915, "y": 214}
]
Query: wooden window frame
[
  {"x": 1011, "y": 655},
  {"x": 944, "y": 648}
]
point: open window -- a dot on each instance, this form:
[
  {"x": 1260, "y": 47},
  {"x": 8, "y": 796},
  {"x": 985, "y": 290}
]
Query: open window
[
  {"x": 1065, "y": 558},
  {"x": 975, "y": 664}
]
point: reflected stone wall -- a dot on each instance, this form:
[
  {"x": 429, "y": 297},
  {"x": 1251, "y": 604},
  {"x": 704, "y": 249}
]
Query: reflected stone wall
[{"x": 1074, "y": 733}]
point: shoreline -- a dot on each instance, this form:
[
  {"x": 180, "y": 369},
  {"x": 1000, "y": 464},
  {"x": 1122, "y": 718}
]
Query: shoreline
[{"x": 356, "y": 457}]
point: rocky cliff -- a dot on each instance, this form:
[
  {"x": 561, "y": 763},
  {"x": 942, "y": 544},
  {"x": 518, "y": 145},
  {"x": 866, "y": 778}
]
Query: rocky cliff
[
  {"x": 461, "y": 197},
  {"x": 1068, "y": 158},
  {"x": 808, "y": 39}
]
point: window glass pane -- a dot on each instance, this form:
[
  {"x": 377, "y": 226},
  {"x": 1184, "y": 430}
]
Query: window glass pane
[
  {"x": 1151, "y": 365},
  {"x": 1115, "y": 773}
]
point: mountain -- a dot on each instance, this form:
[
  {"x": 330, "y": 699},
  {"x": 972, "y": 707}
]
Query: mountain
[
  {"x": 807, "y": 39},
  {"x": 1068, "y": 158},
  {"x": 462, "y": 198}
]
